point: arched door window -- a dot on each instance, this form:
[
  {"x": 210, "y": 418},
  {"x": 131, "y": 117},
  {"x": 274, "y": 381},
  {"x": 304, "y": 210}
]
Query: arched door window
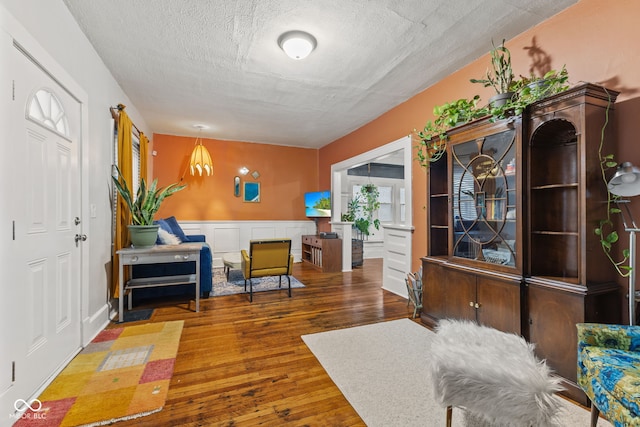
[{"x": 45, "y": 109}]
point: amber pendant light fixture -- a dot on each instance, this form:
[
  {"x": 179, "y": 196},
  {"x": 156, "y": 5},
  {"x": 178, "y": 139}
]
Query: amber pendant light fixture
[{"x": 200, "y": 161}]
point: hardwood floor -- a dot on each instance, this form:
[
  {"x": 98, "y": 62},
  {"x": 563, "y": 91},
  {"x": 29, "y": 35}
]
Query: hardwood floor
[{"x": 244, "y": 364}]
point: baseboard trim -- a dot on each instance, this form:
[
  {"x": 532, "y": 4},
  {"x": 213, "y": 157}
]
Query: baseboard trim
[{"x": 92, "y": 326}]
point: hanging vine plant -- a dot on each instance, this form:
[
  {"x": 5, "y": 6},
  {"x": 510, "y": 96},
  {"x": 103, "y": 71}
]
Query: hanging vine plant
[
  {"x": 606, "y": 229},
  {"x": 361, "y": 208}
]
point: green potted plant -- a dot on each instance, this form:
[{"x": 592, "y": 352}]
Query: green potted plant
[
  {"x": 433, "y": 136},
  {"x": 458, "y": 112},
  {"x": 499, "y": 76},
  {"x": 142, "y": 231},
  {"x": 532, "y": 89},
  {"x": 352, "y": 210}
]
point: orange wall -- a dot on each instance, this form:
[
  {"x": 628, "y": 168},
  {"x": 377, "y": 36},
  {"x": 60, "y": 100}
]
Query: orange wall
[
  {"x": 597, "y": 41},
  {"x": 286, "y": 173}
]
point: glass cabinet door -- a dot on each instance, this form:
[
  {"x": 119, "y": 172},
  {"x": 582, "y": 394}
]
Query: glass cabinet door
[{"x": 484, "y": 198}]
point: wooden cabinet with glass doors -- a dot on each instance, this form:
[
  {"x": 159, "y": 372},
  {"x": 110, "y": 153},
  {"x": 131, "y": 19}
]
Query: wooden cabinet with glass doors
[
  {"x": 473, "y": 228},
  {"x": 523, "y": 199}
]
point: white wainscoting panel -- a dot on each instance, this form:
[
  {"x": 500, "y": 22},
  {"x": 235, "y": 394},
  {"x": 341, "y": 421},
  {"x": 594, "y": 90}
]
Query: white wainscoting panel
[
  {"x": 232, "y": 236},
  {"x": 397, "y": 258},
  {"x": 263, "y": 232},
  {"x": 296, "y": 231},
  {"x": 191, "y": 228},
  {"x": 226, "y": 239}
]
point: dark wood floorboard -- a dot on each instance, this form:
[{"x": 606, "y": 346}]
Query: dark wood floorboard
[{"x": 244, "y": 364}]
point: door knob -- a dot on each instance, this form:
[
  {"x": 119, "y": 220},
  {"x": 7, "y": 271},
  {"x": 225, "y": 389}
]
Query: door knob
[
  {"x": 80, "y": 238},
  {"x": 76, "y": 221}
]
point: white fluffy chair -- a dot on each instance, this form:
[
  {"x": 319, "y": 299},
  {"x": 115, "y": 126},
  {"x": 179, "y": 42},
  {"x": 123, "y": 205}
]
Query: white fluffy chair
[{"x": 493, "y": 375}]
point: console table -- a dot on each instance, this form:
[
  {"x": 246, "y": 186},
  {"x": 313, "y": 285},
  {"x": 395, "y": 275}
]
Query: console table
[
  {"x": 158, "y": 254},
  {"x": 324, "y": 254}
]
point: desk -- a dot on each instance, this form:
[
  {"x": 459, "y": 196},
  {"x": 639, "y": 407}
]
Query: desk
[{"x": 185, "y": 252}]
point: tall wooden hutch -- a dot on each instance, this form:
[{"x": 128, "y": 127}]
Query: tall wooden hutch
[{"x": 512, "y": 208}]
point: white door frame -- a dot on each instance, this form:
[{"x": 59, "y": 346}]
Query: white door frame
[{"x": 337, "y": 170}]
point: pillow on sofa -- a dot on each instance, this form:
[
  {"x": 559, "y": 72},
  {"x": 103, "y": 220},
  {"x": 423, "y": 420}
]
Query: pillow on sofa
[
  {"x": 167, "y": 238},
  {"x": 175, "y": 228},
  {"x": 163, "y": 226}
]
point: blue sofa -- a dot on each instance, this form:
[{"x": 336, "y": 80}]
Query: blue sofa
[{"x": 173, "y": 269}]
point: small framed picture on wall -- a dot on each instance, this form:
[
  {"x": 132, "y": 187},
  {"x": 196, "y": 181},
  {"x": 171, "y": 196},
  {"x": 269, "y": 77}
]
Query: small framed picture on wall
[{"x": 251, "y": 192}]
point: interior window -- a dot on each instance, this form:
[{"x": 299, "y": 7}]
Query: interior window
[
  {"x": 135, "y": 169},
  {"x": 385, "y": 213},
  {"x": 135, "y": 157}
]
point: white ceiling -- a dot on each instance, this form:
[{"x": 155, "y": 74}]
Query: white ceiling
[{"x": 217, "y": 62}]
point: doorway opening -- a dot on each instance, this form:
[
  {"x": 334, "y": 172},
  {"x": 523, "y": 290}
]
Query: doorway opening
[{"x": 396, "y": 203}]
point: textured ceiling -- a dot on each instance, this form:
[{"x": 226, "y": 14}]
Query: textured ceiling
[{"x": 217, "y": 63}]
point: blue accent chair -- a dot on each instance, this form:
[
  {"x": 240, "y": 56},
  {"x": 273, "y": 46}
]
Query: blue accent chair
[{"x": 609, "y": 371}]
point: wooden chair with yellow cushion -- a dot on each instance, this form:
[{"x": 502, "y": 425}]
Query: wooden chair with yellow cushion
[{"x": 267, "y": 257}]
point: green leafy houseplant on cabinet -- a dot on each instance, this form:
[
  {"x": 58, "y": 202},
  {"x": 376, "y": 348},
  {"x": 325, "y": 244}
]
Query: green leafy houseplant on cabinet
[
  {"x": 528, "y": 90},
  {"x": 143, "y": 207},
  {"x": 434, "y": 134},
  {"x": 500, "y": 76},
  {"x": 432, "y": 139}
]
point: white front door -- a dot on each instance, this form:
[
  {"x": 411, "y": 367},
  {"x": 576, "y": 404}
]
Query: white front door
[{"x": 45, "y": 260}]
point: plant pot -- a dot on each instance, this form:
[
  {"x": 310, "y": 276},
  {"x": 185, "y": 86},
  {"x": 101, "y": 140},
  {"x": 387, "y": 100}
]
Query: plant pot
[
  {"x": 500, "y": 99},
  {"x": 539, "y": 89},
  {"x": 538, "y": 84},
  {"x": 143, "y": 236},
  {"x": 435, "y": 150}
]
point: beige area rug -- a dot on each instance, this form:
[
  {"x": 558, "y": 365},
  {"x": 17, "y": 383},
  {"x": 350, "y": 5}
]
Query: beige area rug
[{"x": 381, "y": 369}]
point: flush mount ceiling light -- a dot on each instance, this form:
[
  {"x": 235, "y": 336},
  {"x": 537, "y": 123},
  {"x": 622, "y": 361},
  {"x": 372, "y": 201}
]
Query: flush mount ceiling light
[
  {"x": 200, "y": 158},
  {"x": 297, "y": 44}
]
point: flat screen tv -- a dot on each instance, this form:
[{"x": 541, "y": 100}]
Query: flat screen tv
[{"x": 317, "y": 204}]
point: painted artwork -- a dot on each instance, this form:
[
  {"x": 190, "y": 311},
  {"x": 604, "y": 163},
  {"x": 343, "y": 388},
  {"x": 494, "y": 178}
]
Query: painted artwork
[{"x": 252, "y": 192}]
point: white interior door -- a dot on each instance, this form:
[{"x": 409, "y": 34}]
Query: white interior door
[{"x": 45, "y": 271}]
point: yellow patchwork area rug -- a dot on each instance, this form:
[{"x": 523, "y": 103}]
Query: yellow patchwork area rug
[{"x": 123, "y": 373}]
